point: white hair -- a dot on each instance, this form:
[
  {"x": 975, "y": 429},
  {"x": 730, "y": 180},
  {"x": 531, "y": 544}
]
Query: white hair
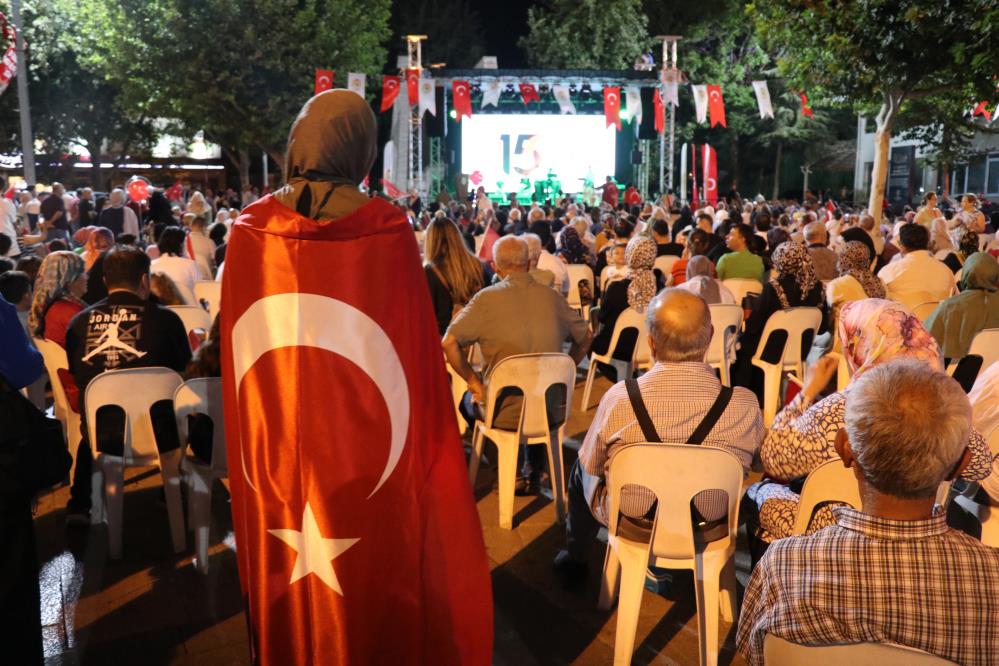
[
  {"x": 510, "y": 252},
  {"x": 533, "y": 247},
  {"x": 908, "y": 426},
  {"x": 815, "y": 232}
]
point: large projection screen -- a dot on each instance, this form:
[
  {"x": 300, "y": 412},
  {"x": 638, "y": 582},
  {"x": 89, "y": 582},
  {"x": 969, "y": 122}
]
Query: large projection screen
[{"x": 506, "y": 148}]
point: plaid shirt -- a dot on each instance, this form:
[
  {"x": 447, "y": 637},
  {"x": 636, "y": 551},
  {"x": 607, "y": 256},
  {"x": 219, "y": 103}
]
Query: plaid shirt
[
  {"x": 872, "y": 580},
  {"x": 677, "y": 396}
]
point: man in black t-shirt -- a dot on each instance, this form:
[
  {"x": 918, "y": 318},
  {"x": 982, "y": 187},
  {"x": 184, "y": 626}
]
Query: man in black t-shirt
[
  {"x": 53, "y": 212},
  {"x": 124, "y": 330}
]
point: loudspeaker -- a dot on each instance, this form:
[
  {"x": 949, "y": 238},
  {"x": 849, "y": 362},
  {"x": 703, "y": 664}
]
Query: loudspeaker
[{"x": 637, "y": 157}]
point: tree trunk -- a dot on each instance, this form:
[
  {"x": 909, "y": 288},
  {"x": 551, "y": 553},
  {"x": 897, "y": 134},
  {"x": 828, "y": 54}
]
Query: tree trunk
[
  {"x": 96, "y": 157},
  {"x": 735, "y": 161},
  {"x": 780, "y": 150},
  {"x": 946, "y": 180},
  {"x": 277, "y": 159},
  {"x": 882, "y": 153},
  {"x": 243, "y": 164}
]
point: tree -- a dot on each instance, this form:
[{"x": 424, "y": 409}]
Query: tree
[
  {"x": 790, "y": 129},
  {"x": 585, "y": 34},
  {"x": 453, "y": 29},
  {"x": 882, "y": 53}
]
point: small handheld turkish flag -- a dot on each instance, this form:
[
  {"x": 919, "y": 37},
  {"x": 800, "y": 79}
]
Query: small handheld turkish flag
[
  {"x": 529, "y": 93},
  {"x": 357, "y": 537},
  {"x": 462, "y": 99},
  {"x": 390, "y": 90},
  {"x": 716, "y": 106},
  {"x": 324, "y": 81},
  {"x": 660, "y": 111},
  {"x": 612, "y": 107},
  {"x": 806, "y": 112},
  {"x": 981, "y": 109},
  {"x": 413, "y": 85}
]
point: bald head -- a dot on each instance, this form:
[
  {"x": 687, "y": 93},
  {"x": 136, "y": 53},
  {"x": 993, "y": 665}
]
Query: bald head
[
  {"x": 815, "y": 232},
  {"x": 510, "y": 254},
  {"x": 680, "y": 326}
]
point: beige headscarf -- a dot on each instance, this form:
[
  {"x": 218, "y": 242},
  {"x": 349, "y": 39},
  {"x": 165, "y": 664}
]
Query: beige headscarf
[{"x": 331, "y": 147}]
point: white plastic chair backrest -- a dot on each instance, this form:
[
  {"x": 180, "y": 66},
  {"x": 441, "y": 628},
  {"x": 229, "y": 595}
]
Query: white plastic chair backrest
[
  {"x": 674, "y": 473},
  {"x": 631, "y": 318},
  {"x": 193, "y": 316},
  {"x": 829, "y": 482},
  {"x": 576, "y": 273},
  {"x": 726, "y": 320},
  {"x": 665, "y": 264},
  {"x": 533, "y": 374},
  {"x": 993, "y": 441},
  {"x": 209, "y": 291},
  {"x": 203, "y": 395},
  {"x": 779, "y": 652},
  {"x": 55, "y": 360},
  {"x": 795, "y": 321},
  {"x": 924, "y": 310},
  {"x": 740, "y": 287},
  {"x": 986, "y": 345},
  {"x": 135, "y": 390}
]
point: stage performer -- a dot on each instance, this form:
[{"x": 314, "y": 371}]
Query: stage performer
[
  {"x": 609, "y": 192},
  {"x": 358, "y": 541}
]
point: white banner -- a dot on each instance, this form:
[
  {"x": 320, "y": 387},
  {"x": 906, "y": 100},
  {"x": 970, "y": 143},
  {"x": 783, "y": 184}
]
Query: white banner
[
  {"x": 491, "y": 94},
  {"x": 388, "y": 162},
  {"x": 701, "y": 102},
  {"x": 355, "y": 83},
  {"x": 671, "y": 87},
  {"x": 428, "y": 101},
  {"x": 634, "y": 97},
  {"x": 565, "y": 104},
  {"x": 763, "y": 99}
]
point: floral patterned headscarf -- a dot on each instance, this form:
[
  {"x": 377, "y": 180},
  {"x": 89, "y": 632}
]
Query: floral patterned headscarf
[
  {"x": 855, "y": 260},
  {"x": 792, "y": 259},
  {"x": 57, "y": 272},
  {"x": 641, "y": 256},
  {"x": 875, "y": 331},
  {"x": 573, "y": 249}
]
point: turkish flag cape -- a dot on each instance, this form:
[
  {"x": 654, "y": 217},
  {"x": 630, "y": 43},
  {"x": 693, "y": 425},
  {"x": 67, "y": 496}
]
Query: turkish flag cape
[
  {"x": 709, "y": 164},
  {"x": 390, "y": 90},
  {"x": 716, "y": 106},
  {"x": 357, "y": 536},
  {"x": 612, "y": 107},
  {"x": 660, "y": 111},
  {"x": 413, "y": 86},
  {"x": 324, "y": 81},
  {"x": 462, "y": 99}
]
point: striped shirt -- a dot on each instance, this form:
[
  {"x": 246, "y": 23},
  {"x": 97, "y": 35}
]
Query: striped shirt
[
  {"x": 677, "y": 397},
  {"x": 872, "y": 580}
]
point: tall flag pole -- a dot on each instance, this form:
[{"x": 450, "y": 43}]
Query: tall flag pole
[
  {"x": 24, "y": 106},
  {"x": 668, "y": 80},
  {"x": 414, "y": 69}
]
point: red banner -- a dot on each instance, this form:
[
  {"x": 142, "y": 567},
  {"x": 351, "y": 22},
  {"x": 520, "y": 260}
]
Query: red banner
[
  {"x": 358, "y": 541},
  {"x": 391, "y": 191},
  {"x": 324, "y": 81},
  {"x": 8, "y": 65},
  {"x": 982, "y": 110},
  {"x": 660, "y": 111},
  {"x": 461, "y": 92},
  {"x": 612, "y": 107},
  {"x": 806, "y": 111},
  {"x": 709, "y": 166},
  {"x": 390, "y": 90},
  {"x": 413, "y": 86},
  {"x": 529, "y": 93},
  {"x": 716, "y": 106}
]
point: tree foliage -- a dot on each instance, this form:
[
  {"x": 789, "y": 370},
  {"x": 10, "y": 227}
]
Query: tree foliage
[{"x": 586, "y": 34}]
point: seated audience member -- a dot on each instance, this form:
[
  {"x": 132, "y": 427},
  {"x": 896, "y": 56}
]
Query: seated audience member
[
  {"x": 15, "y": 288},
  {"x": 677, "y": 394},
  {"x": 664, "y": 246},
  {"x": 163, "y": 290},
  {"x": 697, "y": 246},
  {"x": 856, "y": 281},
  {"x": 125, "y": 330},
  {"x": 30, "y": 265},
  {"x": 893, "y": 572},
  {"x": 59, "y": 289},
  {"x": 118, "y": 217},
  {"x": 617, "y": 266},
  {"x": 701, "y": 281},
  {"x": 803, "y": 434},
  {"x": 740, "y": 262},
  {"x": 454, "y": 275},
  {"x": 548, "y": 261},
  {"x": 99, "y": 240},
  {"x": 916, "y": 277},
  {"x": 967, "y": 245},
  {"x": 515, "y": 316},
  {"x": 540, "y": 275},
  {"x": 823, "y": 259},
  {"x": 183, "y": 271},
  {"x": 201, "y": 248},
  {"x": 984, "y": 398},
  {"x": 956, "y": 321},
  {"x": 623, "y": 230}
]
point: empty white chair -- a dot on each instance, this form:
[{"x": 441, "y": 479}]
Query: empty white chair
[
  {"x": 135, "y": 391},
  {"x": 783, "y": 347},
  {"x": 201, "y": 396},
  {"x": 55, "y": 360},
  {"x": 923, "y": 310},
  {"x": 196, "y": 319},
  {"x": 726, "y": 321},
  {"x": 984, "y": 346},
  {"x": 779, "y": 652},
  {"x": 209, "y": 294},
  {"x": 578, "y": 272},
  {"x": 628, "y": 319},
  {"x": 665, "y": 265},
  {"x": 742, "y": 287},
  {"x": 533, "y": 375},
  {"x": 675, "y": 545}
]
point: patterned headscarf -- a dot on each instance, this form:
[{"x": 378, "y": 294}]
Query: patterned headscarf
[
  {"x": 701, "y": 279},
  {"x": 981, "y": 271},
  {"x": 967, "y": 242},
  {"x": 57, "y": 272},
  {"x": 792, "y": 259},
  {"x": 875, "y": 331},
  {"x": 573, "y": 249},
  {"x": 855, "y": 260},
  {"x": 641, "y": 257}
]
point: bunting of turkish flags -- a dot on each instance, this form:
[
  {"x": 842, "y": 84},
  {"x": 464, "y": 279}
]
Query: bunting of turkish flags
[
  {"x": 529, "y": 93},
  {"x": 982, "y": 110},
  {"x": 660, "y": 111},
  {"x": 612, "y": 107},
  {"x": 806, "y": 111},
  {"x": 710, "y": 171},
  {"x": 413, "y": 85},
  {"x": 390, "y": 90},
  {"x": 461, "y": 92},
  {"x": 716, "y": 106},
  {"x": 324, "y": 81}
]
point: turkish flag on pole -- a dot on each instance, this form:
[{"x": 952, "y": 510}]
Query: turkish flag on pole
[
  {"x": 710, "y": 168},
  {"x": 390, "y": 90},
  {"x": 462, "y": 99},
  {"x": 529, "y": 93},
  {"x": 660, "y": 111},
  {"x": 324, "y": 81},
  {"x": 612, "y": 107},
  {"x": 358, "y": 541},
  {"x": 413, "y": 85},
  {"x": 391, "y": 190},
  {"x": 716, "y": 106},
  {"x": 806, "y": 112}
]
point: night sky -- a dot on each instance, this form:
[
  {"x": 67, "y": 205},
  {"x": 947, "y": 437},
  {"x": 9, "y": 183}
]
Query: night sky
[{"x": 504, "y": 22}]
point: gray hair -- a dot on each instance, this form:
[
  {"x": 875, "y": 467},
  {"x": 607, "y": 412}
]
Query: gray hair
[
  {"x": 680, "y": 325},
  {"x": 908, "y": 426},
  {"x": 815, "y": 232},
  {"x": 533, "y": 247},
  {"x": 511, "y": 252}
]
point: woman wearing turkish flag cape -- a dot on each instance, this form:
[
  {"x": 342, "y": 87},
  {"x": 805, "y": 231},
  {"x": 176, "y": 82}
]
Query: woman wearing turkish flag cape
[{"x": 357, "y": 537}]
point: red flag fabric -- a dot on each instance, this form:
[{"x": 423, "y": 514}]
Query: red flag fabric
[
  {"x": 390, "y": 90},
  {"x": 694, "y": 199},
  {"x": 716, "y": 106},
  {"x": 175, "y": 191},
  {"x": 358, "y": 541},
  {"x": 529, "y": 93},
  {"x": 324, "y": 81},
  {"x": 806, "y": 112},
  {"x": 612, "y": 107},
  {"x": 660, "y": 111},
  {"x": 709, "y": 165},
  {"x": 391, "y": 190},
  {"x": 461, "y": 92},
  {"x": 982, "y": 110},
  {"x": 413, "y": 86}
]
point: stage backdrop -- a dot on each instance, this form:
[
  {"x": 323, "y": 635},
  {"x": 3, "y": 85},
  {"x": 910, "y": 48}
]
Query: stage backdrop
[{"x": 506, "y": 148}]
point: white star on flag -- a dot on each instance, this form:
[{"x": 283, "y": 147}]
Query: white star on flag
[{"x": 315, "y": 553}]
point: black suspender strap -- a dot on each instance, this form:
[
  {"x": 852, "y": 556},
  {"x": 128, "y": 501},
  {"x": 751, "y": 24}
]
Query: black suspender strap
[
  {"x": 711, "y": 418},
  {"x": 641, "y": 413},
  {"x": 702, "y": 430}
]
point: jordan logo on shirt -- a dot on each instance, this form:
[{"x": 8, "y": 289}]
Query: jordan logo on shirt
[{"x": 113, "y": 335}]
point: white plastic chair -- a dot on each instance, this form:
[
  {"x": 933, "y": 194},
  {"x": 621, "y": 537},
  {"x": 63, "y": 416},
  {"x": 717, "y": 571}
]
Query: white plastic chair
[
  {"x": 194, "y": 317},
  {"x": 135, "y": 390},
  {"x": 578, "y": 272},
  {"x": 201, "y": 396},
  {"x": 665, "y": 265},
  {"x": 55, "y": 360},
  {"x": 985, "y": 345},
  {"x": 210, "y": 292},
  {"x": 792, "y": 323},
  {"x": 458, "y": 389},
  {"x": 742, "y": 287},
  {"x": 691, "y": 470},
  {"x": 628, "y": 319},
  {"x": 479, "y": 241},
  {"x": 987, "y": 514},
  {"x": 779, "y": 652},
  {"x": 532, "y": 374},
  {"x": 726, "y": 321},
  {"x": 923, "y": 310}
]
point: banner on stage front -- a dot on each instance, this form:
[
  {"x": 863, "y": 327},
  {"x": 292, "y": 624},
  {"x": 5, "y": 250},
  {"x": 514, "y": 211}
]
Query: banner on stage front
[
  {"x": 763, "y": 99},
  {"x": 565, "y": 104},
  {"x": 491, "y": 94}
]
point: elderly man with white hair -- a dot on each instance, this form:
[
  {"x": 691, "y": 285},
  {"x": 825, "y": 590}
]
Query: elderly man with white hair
[
  {"x": 541, "y": 276},
  {"x": 118, "y": 217},
  {"x": 892, "y": 572}
]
